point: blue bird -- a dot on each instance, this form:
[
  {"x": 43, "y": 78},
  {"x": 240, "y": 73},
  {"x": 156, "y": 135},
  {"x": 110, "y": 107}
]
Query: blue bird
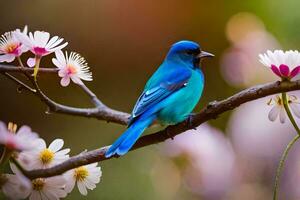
[{"x": 169, "y": 96}]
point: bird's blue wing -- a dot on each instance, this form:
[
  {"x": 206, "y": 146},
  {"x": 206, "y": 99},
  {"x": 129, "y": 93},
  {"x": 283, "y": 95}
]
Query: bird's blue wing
[{"x": 173, "y": 81}]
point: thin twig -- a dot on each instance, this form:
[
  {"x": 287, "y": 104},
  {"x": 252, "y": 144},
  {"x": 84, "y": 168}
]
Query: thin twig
[
  {"x": 101, "y": 111},
  {"x": 18, "y": 69},
  {"x": 19, "y": 82}
]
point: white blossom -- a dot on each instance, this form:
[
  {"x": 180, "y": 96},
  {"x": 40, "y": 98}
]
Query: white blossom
[
  {"x": 86, "y": 177},
  {"x": 43, "y": 156},
  {"x": 283, "y": 64},
  {"x": 278, "y": 108}
]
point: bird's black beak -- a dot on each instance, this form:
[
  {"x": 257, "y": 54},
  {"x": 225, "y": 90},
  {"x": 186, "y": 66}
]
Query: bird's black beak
[
  {"x": 200, "y": 56},
  {"x": 204, "y": 54}
]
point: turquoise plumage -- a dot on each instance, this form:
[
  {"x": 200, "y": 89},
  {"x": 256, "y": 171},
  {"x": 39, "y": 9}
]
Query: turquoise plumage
[{"x": 169, "y": 96}]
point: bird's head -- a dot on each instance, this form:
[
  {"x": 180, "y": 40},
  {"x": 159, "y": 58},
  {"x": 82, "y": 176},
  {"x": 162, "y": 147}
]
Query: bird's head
[{"x": 188, "y": 52}]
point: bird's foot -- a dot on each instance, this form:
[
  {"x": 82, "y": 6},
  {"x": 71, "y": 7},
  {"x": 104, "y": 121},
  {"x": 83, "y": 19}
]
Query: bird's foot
[{"x": 189, "y": 121}]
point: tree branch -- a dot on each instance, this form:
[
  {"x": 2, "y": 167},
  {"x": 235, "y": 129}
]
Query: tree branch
[
  {"x": 10, "y": 68},
  {"x": 211, "y": 111},
  {"x": 101, "y": 111}
]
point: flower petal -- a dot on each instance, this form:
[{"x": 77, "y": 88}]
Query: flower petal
[
  {"x": 23, "y": 38},
  {"x": 70, "y": 181},
  {"x": 63, "y": 152},
  {"x": 54, "y": 44},
  {"x": 52, "y": 41},
  {"x": 61, "y": 58},
  {"x": 89, "y": 184},
  {"x": 62, "y": 73},
  {"x": 7, "y": 58},
  {"x": 58, "y": 47},
  {"x": 40, "y": 144},
  {"x": 282, "y": 114},
  {"x": 56, "y": 63},
  {"x": 274, "y": 112},
  {"x": 81, "y": 187},
  {"x": 56, "y": 145},
  {"x": 76, "y": 80},
  {"x": 284, "y": 70},
  {"x": 31, "y": 62},
  {"x": 275, "y": 70},
  {"x": 41, "y": 38},
  {"x": 65, "y": 81},
  {"x": 35, "y": 195},
  {"x": 295, "y": 72},
  {"x": 295, "y": 108}
]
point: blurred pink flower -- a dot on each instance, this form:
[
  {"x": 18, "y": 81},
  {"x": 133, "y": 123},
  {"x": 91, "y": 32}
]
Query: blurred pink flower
[
  {"x": 248, "y": 37},
  {"x": 23, "y": 139},
  {"x": 71, "y": 67},
  {"x": 211, "y": 169},
  {"x": 283, "y": 64},
  {"x": 10, "y": 46},
  {"x": 258, "y": 143},
  {"x": 16, "y": 185},
  {"x": 254, "y": 135}
]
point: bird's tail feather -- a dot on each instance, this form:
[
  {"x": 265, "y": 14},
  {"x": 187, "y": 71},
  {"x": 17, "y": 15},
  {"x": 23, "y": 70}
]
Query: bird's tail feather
[{"x": 124, "y": 143}]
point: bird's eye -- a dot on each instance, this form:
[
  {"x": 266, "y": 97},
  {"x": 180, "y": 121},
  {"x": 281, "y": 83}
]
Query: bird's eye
[{"x": 190, "y": 52}]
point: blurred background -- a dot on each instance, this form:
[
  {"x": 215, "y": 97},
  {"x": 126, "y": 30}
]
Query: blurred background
[{"x": 232, "y": 157}]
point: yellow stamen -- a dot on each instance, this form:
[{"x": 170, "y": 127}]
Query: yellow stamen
[
  {"x": 81, "y": 173},
  {"x": 270, "y": 102},
  {"x": 279, "y": 100},
  {"x": 12, "y": 127},
  {"x": 10, "y": 48},
  {"x": 71, "y": 69},
  {"x": 46, "y": 156},
  {"x": 38, "y": 184}
]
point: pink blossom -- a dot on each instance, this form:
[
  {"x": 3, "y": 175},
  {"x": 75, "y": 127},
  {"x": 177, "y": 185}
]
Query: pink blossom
[
  {"x": 210, "y": 171},
  {"x": 248, "y": 37},
  {"x": 23, "y": 139},
  {"x": 40, "y": 44},
  {"x": 71, "y": 67},
  {"x": 10, "y": 46}
]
